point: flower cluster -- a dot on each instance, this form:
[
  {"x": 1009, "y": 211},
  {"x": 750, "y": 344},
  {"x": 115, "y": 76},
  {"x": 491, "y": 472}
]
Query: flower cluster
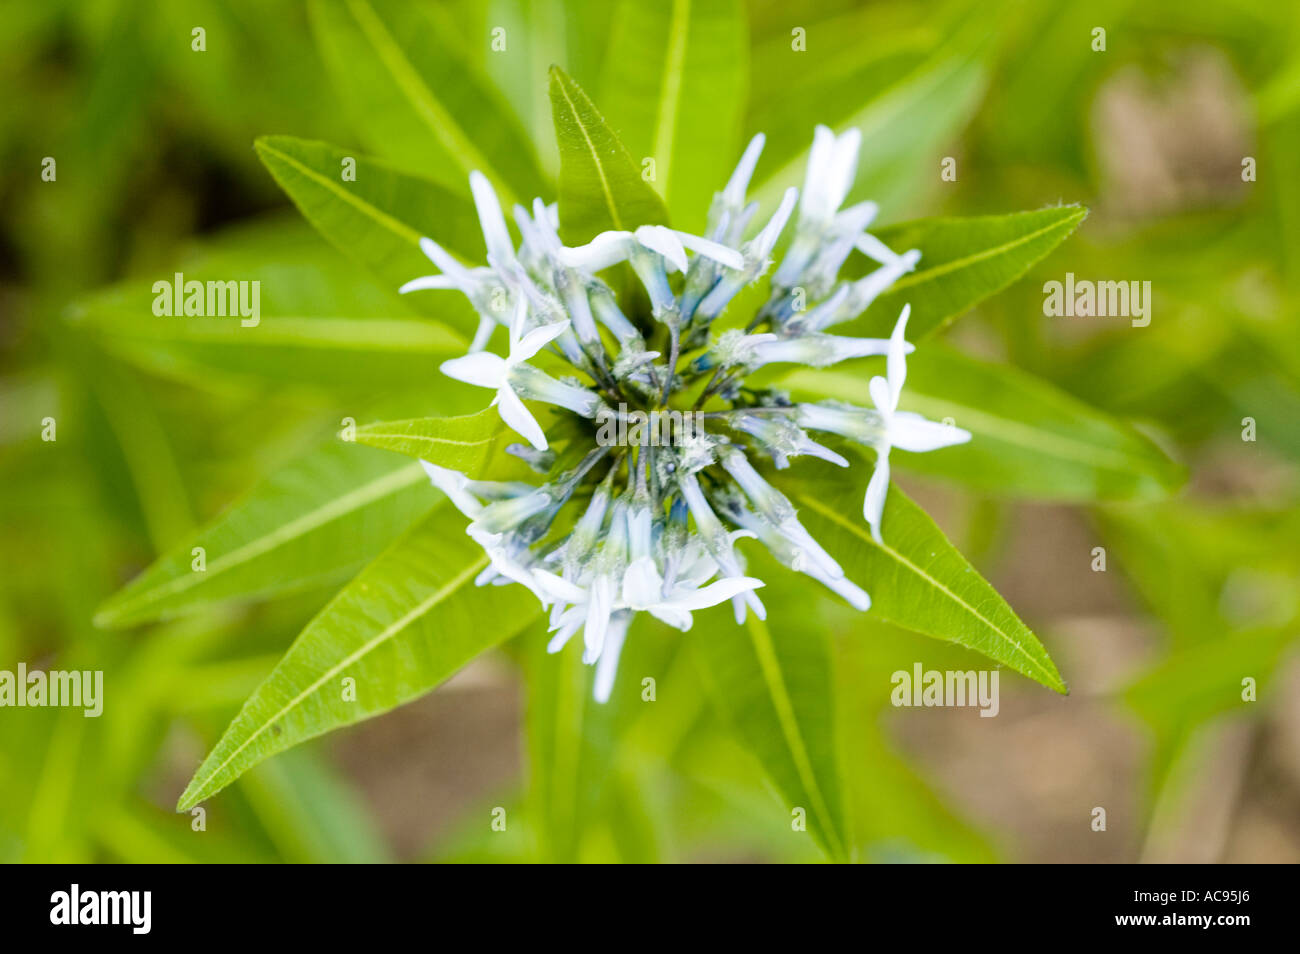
[{"x": 652, "y": 524}]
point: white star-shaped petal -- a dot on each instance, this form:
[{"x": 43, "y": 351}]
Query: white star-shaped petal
[
  {"x": 903, "y": 429},
  {"x": 487, "y": 370}
]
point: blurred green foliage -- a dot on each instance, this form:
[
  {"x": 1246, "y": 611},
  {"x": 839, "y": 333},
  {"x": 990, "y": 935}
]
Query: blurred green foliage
[{"x": 156, "y": 171}]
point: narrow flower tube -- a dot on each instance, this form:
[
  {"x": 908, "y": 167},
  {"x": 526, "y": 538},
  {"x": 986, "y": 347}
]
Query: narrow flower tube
[
  {"x": 815, "y": 350},
  {"x": 610, "y": 562},
  {"x": 505, "y": 515},
  {"x": 719, "y": 543},
  {"x": 862, "y": 293},
  {"x": 856, "y": 423},
  {"x": 756, "y": 253},
  {"x": 775, "y": 507},
  {"x": 605, "y": 307},
  {"x": 797, "y": 558},
  {"x": 782, "y": 438},
  {"x": 533, "y": 384},
  {"x": 832, "y": 164}
]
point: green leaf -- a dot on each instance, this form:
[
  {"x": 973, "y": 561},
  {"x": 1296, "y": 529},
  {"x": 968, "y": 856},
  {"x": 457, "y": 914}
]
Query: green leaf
[
  {"x": 324, "y": 324},
  {"x": 1028, "y": 438},
  {"x": 310, "y": 814},
  {"x": 541, "y": 32},
  {"x": 1199, "y": 682},
  {"x": 674, "y": 85},
  {"x": 51, "y": 830},
  {"x": 844, "y": 76},
  {"x": 1208, "y": 572},
  {"x": 600, "y": 184},
  {"x": 917, "y": 579},
  {"x": 378, "y": 219},
  {"x": 401, "y": 627},
  {"x": 906, "y": 96},
  {"x": 418, "y": 100},
  {"x": 963, "y": 261},
  {"x": 772, "y": 681},
  {"x": 312, "y": 522},
  {"x": 895, "y": 815},
  {"x": 909, "y": 127},
  {"x": 583, "y": 755},
  {"x": 470, "y": 444},
  {"x": 339, "y": 355},
  {"x": 567, "y": 743},
  {"x": 147, "y": 451}
]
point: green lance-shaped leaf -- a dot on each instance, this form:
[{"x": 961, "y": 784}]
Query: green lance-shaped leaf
[
  {"x": 1207, "y": 573},
  {"x": 402, "y": 626},
  {"x": 418, "y": 100},
  {"x": 772, "y": 681},
  {"x": 379, "y": 218},
  {"x": 1028, "y": 438},
  {"x": 472, "y": 444},
  {"x": 568, "y": 750},
  {"x": 336, "y": 355},
  {"x": 1196, "y": 683},
  {"x": 917, "y": 579},
  {"x": 310, "y": 523},
  {"x": 580, "y": 751},
  {"x": 908, "y": 125},
  {"x": 539, "y": 33},
  {"x": 310, "y": 814},
  {"x": 1200, "y": 683},
  {"x": 906, "y": 96},
  {"x": 317, "y": 519},
  {"x": 963, "y": 261},
  {"x": 895, "y": 816},
  {"x": 298, "y": 343},
  {"x": 673, "y": 85},
  {"x": 600, "y": 184},
  {"x": 321, "y": 323}
]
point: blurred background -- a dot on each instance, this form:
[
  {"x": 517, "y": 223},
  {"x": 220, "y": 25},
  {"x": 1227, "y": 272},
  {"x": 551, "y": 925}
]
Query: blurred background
[{"x": 155, "y": 166}]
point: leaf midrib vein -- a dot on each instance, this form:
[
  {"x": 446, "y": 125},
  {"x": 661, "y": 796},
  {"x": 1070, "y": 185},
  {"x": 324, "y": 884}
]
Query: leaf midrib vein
[
  {"x": 781, "y": 701},
  {"x": 354, "y": 499},
  {"x": 371, "y": 211},
  {"x": 853, "y": 528},
  {"x": 1017, "y": 432},
  {"x": 381, "y": 335},
  {"x": 595, "y": 157},
  {"x": 444, "y": 126},
  {"x": 670, "y": 99},
  {"x": 482, "y": 442},
  {"x": 382, "y": 636},
  {"x": 995, "y": 425},
  {"x": 928, "y": 274}
]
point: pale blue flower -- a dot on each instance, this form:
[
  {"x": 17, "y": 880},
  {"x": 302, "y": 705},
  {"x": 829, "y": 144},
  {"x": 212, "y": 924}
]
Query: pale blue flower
[{"x": 659, "y": 526}]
